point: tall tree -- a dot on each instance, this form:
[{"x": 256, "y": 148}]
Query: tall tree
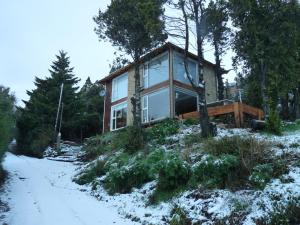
[
  {"x": 7, "y": 122},
  {"x": 92, "y": 112},
  {"x": 135, "y": 27},
  {"x": 36, "y": 121},
  {"x": 218, "y": 35},
  {"x": 194, "y": 11},
  {"x": 266, "y": 42}
]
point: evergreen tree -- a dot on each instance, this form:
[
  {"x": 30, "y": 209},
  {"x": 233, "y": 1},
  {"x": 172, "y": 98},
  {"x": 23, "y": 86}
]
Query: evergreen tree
[
  {"x": 37, "y": 120},
  {"x": 92, "y": 109},
  {"x": 218, "y": 35},
  {"x": 135, "y": 27},
  {"x": 7, "y": 121},
  {"x": 266, "y": 44}
]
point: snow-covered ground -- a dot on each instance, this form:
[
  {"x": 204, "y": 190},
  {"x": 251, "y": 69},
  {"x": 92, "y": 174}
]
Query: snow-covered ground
[{"x": 41, "y": 192}]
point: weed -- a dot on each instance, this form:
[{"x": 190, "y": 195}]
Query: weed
[
  {"x": 160, "y": 131},
  {"x": 179, "y": 217},
  {"x": 91, "y": 173}
]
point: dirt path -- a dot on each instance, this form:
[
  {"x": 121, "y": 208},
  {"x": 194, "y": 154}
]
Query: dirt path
[{"x": 40, "y": 192}]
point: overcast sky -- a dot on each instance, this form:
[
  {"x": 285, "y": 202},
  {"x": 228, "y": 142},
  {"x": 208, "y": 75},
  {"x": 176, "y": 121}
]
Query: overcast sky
[{"x": 33, "y": 31}]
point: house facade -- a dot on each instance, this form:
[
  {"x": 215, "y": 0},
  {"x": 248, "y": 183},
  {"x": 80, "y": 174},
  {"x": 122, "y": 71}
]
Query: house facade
[{"x": 166, "y": 90}]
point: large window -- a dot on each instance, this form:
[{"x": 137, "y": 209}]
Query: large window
[
  {"x": 179, "y": 70},
  {"x": 120, "y": 87},
  {"x": 118, "y": 116},
  {"x": 185, "y": 102},
  {"x": 156, "y": 71},
  {"x": 156, "y": 105}
]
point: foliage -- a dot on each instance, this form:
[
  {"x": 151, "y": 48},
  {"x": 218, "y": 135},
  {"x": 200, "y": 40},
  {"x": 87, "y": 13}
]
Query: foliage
[
  {"x": 250, "y": 151},
  {"x": 173, "y": 173},
  {"x": 216, "y": 171},
  {"x": 131, "y": 139},
  {"x": 179, "y": 217},
  {"x": 286, "y": 215},
  {"x": 290, "y": 127},
  {"x": 35, "y": 122},
  {"x": 123, "y": 179},
  {"x": 135, "y": 27},
  {"x": 218, "y": 34},
  {"x": 161, "y": 130},
  {"x": 273, "y": 124},
  {"x": 7, "y": 122},
  {"x": 265, "y": 42},
  {"x": 92, "y": 109},
  {"x": 94, "y": 171},
  {"x": 191, "y": 121},
  {"x": 191, "y": 139},
  {"x": 132, "y": 25},
  {"x": 261, "y": 175}
]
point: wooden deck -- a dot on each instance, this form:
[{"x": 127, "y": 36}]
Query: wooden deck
[{"x": 237, "y": 108}]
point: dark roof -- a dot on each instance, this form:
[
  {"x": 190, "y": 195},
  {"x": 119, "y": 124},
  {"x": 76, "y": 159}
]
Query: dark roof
[{"x": 152, "y": 54}]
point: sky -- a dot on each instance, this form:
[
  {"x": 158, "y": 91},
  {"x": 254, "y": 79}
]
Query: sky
[{"x": 33, "y": 32}]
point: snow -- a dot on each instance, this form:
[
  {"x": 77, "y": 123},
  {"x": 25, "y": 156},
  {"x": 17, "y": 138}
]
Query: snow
[{"x": 41, "y": 192}]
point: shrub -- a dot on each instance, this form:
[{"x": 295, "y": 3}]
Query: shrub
[
  {"x": 123, "y": 179},
  {"x": 173, "y": 173},
  {"x": 273, "y": 124},
  {"x": 91, "y": 173},
  {"x": 160, "y": 131},
  {"x": 286, "y": 215},
  {"x": 249, "y": 151},
  {"x": 191, "y": 139},
  {"x": 215, "y": 171},
  {"x": 261, "y": 175},
  {"x": 191, "y": 121},
  {"x": 179, "y": 217},
  {"x": 290, "y": 127},
  {"x": 131, "y": 139}
]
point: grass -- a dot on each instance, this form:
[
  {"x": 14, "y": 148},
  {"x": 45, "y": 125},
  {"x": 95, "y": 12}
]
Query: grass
[
  {"x": 291, "y": 127},
  {"x": 91, "y": 173}
]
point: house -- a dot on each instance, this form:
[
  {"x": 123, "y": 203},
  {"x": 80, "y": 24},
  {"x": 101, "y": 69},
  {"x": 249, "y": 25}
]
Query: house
[{"x": 166, "y": 91}]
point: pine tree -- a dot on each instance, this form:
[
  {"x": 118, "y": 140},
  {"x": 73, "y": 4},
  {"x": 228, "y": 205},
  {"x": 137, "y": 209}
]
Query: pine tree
[
  {"x": 92, "y": 108},
  {"x": 37, "y": 119}
]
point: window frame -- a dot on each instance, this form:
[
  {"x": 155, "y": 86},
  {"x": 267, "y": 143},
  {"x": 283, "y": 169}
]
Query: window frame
[
  {"x": 146, "y": 108},
  {"x": 113, "y": 115},
  {"x": 115, "y": 89},
  {"x": 178, "y": 54},
  {"x": 145, "y": 80}
]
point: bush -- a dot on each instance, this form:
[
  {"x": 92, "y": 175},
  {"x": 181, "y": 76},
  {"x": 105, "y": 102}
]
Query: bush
[
  {"x": 173, "y": 173},
  {"x": 191, "y": 139},
  {"x": 261, "y": 175},
  {"x": 191, "y": 121},
  {"x": 131, "y": 139},
  {"x": 160, "y": 131},
  {"x": 273, "y": 124},
  {"x": 179, "y": 217},
  {"x": 91, "y": 173},
  {"x": 249, "y": 151},
  {"x": 215, "y": 171},
  {"x": 123, "y": 179}
]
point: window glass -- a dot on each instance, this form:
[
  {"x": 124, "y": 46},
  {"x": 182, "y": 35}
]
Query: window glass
[
  {"x": 119, "y": 116},
  {"x": 156, "y": 71},
  {"x": 185, "y": 102},
  {"x": 179, "y": 70},
  {"x": 158, "y": 106},
  {"x": 120, "y": 87}
]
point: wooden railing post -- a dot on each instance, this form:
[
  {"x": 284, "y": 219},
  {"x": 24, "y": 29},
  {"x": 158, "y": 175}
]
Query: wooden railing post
[
  {"x": 241, "y": 110},
  {"x": 236, "y": 114}
]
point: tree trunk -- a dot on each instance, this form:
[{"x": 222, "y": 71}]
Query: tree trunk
[
  {"x": 263, "y": 88},
  {"x": 219, "y": 72},
  {"x": 285, "y": 107},
  {"x": 136, "y": 99},
  {"x": 206, "y": 126},
  {"x": 296, "y": 107}
]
